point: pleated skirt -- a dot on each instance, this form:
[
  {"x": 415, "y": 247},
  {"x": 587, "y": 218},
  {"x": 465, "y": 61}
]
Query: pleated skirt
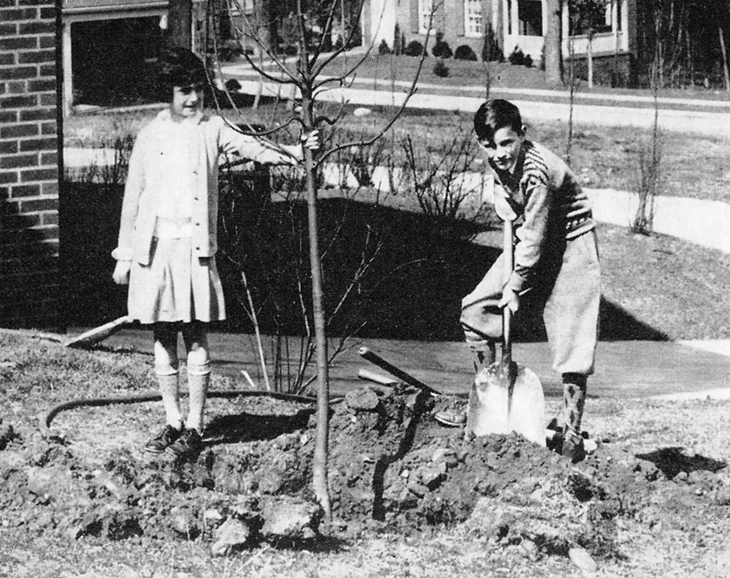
[{"x": 176, "y": 286}]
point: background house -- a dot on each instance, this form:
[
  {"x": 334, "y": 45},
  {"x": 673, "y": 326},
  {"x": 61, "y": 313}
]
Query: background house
[{"x": 513, "y": 24}]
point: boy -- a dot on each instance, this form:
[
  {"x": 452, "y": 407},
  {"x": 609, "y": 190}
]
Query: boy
[{"x": 555, "y": 266}]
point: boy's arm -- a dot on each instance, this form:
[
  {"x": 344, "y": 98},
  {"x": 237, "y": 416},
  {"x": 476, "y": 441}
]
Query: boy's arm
[{"x": 531, "y": 235}]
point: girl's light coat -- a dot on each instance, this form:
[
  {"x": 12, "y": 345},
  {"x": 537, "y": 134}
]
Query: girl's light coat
[{"x": 145, "y": 182}]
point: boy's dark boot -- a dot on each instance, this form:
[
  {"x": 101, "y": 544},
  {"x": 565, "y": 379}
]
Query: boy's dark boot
[
  {"x": 484, "y": 354},
  {"x": 574, "y": 398}
]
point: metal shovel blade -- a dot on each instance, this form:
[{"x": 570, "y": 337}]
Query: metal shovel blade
[{"x": 500, "y": 403}]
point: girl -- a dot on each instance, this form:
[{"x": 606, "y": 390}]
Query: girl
[{"x": 167, "y": 237}]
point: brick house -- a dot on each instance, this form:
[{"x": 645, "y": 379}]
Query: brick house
[
  {"x": 514, "y": 24},
  {"x": 30, "y": 278}
]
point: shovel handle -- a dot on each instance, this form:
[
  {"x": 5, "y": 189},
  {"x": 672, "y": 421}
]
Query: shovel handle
[{"x": 509, "y": 263}]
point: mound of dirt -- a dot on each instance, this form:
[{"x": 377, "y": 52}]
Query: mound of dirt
[{"x": 391, "y": 467}]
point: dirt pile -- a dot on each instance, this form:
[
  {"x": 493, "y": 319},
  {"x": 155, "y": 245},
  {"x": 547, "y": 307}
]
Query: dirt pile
[{"x": 391, "y": 468}]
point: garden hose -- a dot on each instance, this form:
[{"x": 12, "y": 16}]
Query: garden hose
[{"x": 46, "y": 419}]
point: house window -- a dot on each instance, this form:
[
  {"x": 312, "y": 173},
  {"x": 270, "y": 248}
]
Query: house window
[
  {"x": 530, "y": 17},
  {"x": 590, "y": 15},
  {"x": 425, "y": 16},
  {"x": 473, "y": 17}
]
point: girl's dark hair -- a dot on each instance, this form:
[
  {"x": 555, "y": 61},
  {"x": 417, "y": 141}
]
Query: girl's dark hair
[
  {"x": 178, "y": 67},
  {"x": 496, "y": 114}
]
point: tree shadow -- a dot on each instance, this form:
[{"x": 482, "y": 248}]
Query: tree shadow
[{"x": 671, "y": 461}]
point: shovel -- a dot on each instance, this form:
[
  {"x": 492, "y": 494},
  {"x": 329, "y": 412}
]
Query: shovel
[{"x": 506, "y": 397}]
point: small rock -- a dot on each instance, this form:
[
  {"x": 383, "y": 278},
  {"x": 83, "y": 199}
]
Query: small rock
[
  {"x": 590, "y": 446},
  {"x": 363, "y": 400},
  {"x": 528, "y": 549},
  {"x": 582, "y": 559},
  {"x": 232, "y": 533},
  {"x": 287, "y": 517},
  {"x": 362, "y": 111}
]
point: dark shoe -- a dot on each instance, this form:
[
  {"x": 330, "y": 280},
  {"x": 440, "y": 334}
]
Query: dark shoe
[
  {"x": 188, "y": 444},
  {"x": 163, "y": 440},
  {"x": 573, "y": 447},
  {"x": 451, "y": 418}
]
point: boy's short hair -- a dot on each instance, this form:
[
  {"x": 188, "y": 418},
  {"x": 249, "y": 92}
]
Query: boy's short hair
[
  {"x": 496, "y": 114},
  {"x": 178, "y": 67}
]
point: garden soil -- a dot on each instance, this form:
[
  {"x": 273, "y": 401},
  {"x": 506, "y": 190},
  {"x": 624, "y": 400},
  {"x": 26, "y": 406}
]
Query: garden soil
[{"x": 393, "y": 471}]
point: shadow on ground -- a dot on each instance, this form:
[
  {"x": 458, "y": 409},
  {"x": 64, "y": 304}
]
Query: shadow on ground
[
  {"x": 387, "y": 273},
  {"x": 672, "y": 461}
]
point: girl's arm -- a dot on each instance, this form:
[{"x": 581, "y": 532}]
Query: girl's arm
[
  {"x": 261, "y": 150},
  {"x": 130, "y": 205}
]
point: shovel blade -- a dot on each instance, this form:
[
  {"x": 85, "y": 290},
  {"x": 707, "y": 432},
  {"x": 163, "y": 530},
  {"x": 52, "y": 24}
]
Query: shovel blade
[{"x": 496, "y": 407}]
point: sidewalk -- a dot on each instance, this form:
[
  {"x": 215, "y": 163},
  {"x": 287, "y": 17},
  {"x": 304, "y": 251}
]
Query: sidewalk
[{"x": 625, "y": 369}]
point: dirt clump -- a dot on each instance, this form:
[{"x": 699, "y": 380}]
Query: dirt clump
[{"x": 391, "y": 468}]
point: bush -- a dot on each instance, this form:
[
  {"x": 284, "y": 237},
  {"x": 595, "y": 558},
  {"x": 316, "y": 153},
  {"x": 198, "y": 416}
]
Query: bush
[
  {"x": 399, "y": 40},
  {"x": 230, "y": 50},
  {"x": 440, "y": 69},
  {"x": 441, "y": 49},
  {"x": 491, "y": 52},
  {"x": 465, "y": 52},
  {"x": 415, "y": 48},
  {"x": 384, "y": 48},
  {"x": 517, "y": 57},
  {"x": 527, "y": 61}
]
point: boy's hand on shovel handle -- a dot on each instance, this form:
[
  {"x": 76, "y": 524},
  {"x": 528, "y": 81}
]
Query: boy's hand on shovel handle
[{"x": 510, "y": 299}]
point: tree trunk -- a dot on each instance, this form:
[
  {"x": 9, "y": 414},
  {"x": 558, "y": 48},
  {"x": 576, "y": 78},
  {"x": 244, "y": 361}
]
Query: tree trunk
[
  {"x": 320, "y": 483},
  {"x": 180, "y": 23},
  {"x": 724, "y": 60},
  {"x": 590, "y": 59},
  {"x": 553, "y": 42}
]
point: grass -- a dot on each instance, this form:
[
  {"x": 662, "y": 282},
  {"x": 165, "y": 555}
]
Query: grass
[{"x": 463, "y": 73}]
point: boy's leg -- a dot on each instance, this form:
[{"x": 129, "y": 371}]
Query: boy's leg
[
  {"x": 571, "y": 319},
  {"x": 481, "y": 321},
  {"x": 166, "y": 370},
  {"x": 574, "y": 398},
  {"x": 195, "y": 337}
]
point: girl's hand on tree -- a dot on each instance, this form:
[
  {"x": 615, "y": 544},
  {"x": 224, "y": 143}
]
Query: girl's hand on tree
[
  {"x": 121, "y": 272},
  {"x": 310, "y": 140}
]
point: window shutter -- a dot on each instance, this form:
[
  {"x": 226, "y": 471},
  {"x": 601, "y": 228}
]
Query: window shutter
[{"x": 415, "y": 7}]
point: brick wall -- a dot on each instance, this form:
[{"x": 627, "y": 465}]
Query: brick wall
[{"x": 29, "y": 199}]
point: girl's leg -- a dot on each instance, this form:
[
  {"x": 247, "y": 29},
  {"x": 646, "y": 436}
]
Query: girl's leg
[
  {"x": 166, "y": 368},
  {"x": 195, "y": 336}
]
